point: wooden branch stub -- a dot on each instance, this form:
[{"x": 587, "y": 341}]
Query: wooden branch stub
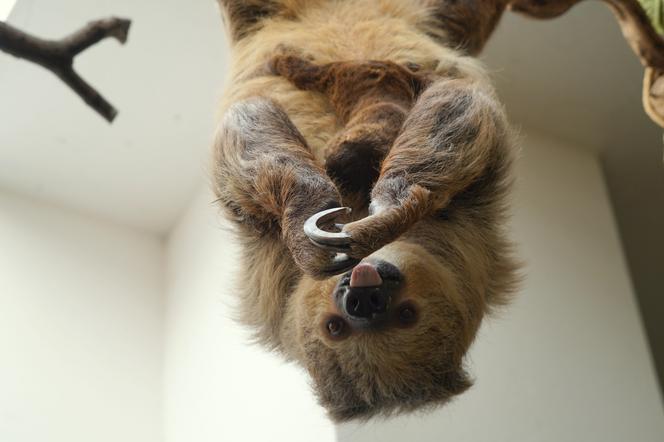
[
  {"x": 653, "y": 95},
  {"x": 58, "y": 55}
]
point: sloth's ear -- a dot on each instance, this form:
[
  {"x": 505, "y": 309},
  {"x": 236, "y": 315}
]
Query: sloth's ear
[{"x": 243, "y": 17}]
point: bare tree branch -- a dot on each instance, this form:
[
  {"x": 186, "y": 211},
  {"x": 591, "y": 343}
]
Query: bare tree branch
[{"x": 58, "y": 55}]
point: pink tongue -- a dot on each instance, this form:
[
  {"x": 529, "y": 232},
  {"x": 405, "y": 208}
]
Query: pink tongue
[{"x": 365, "y": 275}]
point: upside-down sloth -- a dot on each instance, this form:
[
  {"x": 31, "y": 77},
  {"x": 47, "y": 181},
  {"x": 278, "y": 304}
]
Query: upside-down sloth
[{"x": 375, "y": 105}]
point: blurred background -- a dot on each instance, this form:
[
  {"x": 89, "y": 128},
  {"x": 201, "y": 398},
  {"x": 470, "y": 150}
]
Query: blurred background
[{"x": 117, "y": 273}]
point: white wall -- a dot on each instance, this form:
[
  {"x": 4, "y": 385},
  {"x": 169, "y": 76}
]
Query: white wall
[
  {"x": 80, "y": 328},
  {"x": 218, "y": 387},
  {"x": 568, "y": 360}
]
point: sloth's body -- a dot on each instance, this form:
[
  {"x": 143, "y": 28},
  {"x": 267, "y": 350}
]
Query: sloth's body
[
  {"x": 377, "y": 105},
  {"x": 435, "y": 257}
]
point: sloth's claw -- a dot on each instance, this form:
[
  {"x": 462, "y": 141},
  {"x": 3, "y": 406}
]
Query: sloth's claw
[
  {"x": 338, "y": 242},
  {"x": 333, "y": 241}
]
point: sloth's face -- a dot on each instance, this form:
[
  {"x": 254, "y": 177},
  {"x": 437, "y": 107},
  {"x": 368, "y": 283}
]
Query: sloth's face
[{"x": 388, "y": 336}]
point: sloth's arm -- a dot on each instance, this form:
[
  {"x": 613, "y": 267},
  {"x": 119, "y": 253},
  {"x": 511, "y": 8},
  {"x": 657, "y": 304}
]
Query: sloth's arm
[
  {"x": 266, "y": 179},
  {"x": 455, "y": 131}
]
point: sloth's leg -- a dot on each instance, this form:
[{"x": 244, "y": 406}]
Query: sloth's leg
[
  {"x": 267, "y": 180},
  {"x": 455, "y": 132}
]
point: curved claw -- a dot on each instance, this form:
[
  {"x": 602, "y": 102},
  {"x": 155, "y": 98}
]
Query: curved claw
[{"x": 335, "y": 241}]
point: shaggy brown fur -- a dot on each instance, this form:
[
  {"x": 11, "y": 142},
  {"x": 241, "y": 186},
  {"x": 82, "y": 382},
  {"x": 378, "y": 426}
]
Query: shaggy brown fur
[
  {"x": 418, "y": 134},
  {"x": 371, "y": 100}
]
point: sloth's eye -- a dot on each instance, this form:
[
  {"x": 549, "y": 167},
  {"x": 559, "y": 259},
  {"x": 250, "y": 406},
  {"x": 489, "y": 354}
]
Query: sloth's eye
[
  {"x": 407, "y": 314},
  {"x": 335, "y": 326}
]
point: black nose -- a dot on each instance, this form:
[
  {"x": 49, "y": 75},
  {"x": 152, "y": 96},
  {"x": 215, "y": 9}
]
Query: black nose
[
  {"x": 365, "y": 302},
  {"x": 368, "y": 306}
]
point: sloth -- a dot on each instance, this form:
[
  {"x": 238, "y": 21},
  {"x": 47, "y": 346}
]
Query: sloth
[{"x": 376, "y": 111}]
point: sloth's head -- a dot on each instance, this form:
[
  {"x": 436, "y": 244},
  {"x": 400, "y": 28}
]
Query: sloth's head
[{"x": 388, "y": 336}]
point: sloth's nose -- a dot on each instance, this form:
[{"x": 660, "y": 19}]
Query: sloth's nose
[
  {"x": 366, "y": 303},
  {"x": 368, "y": 293}
]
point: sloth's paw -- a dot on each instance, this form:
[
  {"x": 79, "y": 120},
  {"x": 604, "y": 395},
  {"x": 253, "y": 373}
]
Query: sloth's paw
[{"x": 361, "y": 238}]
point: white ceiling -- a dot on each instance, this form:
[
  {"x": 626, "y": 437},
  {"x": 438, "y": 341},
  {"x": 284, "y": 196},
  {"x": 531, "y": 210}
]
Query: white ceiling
[{"x": 142, "y": 169}]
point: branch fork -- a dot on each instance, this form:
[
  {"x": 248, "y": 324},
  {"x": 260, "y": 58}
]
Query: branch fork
[{"x": 58, "y": 55}]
